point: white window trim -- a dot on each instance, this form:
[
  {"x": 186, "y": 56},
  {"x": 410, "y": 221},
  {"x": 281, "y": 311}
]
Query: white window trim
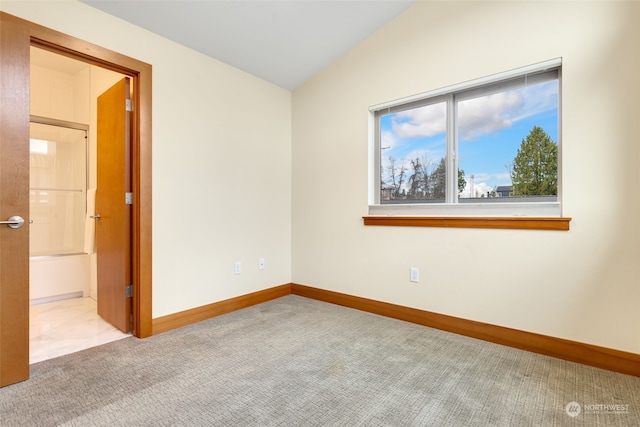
[
  {"x": 546, "y": 209},
  {"x": 494, "y": 209}
]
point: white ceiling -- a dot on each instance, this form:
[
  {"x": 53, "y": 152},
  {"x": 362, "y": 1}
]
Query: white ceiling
[{"x": 282, "y": 41}]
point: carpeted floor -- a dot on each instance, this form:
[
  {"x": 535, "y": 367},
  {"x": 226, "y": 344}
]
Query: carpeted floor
[{"x": 300, "y": 362}]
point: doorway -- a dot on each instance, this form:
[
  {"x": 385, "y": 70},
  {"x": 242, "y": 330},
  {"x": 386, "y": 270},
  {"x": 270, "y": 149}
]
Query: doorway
[
  {"x": 63, "y": 285},
  {"x": 62, "y": 183},
  {"x": 16, "y": 38}
]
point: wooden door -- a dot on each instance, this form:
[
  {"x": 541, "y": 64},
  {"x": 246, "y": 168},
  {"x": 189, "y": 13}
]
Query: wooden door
[
  {"x": 113, "y": 214},
  {"x": 16, "y": 36},
  {"x": 14, "y": 201}
]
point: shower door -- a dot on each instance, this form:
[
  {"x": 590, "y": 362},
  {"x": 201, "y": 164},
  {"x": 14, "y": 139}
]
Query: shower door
[{"x": 58, "y": 187}]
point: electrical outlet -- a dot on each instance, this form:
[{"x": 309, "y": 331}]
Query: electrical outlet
[
  {"x": 237, "y": 267},
  {"x": 414, "y": 274},
  {"x": 261, "y": 264}
]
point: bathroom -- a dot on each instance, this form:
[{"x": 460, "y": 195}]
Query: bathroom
[{"x": 63, "y": 176}]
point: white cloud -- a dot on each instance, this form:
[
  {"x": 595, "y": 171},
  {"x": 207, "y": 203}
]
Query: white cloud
[
  {"x": 491, "y": 113},
  {"x": 481, "y": 177},
  {"x": 479, "y": 188},
  {"x": 477, "y": 116},
  {"x": 427, "y": 154},
  {"x": 483, "y": 183},
  {"x": 425, "y": 121},
  {"x": 503, "y": 178},
  {"x": 388, "y": 140},
  {"x": 488, "y": 114},
  {"x": 539, "y": 98}
]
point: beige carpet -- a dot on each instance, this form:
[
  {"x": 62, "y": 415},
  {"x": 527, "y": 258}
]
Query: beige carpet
[{"x": 300, "y": 362}]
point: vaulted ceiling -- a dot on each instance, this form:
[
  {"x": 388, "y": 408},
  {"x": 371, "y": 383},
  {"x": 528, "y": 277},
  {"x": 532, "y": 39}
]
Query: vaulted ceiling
[{"x": 283, "y": 42}]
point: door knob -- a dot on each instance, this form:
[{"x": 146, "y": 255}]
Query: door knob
[
  {"x": 96, "y": 217},
  {"x": 14, "y": 222}
]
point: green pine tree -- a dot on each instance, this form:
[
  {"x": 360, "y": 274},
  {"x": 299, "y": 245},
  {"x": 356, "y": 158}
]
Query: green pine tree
[
  {"x": 535, "y": 167},
  {"x": 438, "y": 180}
]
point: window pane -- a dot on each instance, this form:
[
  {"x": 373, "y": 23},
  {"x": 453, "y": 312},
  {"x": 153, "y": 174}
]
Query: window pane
[
  {"x": 507, "y": 145},
  {"x": 413, "y": 147}
]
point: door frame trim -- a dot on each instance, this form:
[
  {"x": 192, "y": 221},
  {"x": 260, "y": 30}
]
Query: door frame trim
[{"x": 141, "y": 222}]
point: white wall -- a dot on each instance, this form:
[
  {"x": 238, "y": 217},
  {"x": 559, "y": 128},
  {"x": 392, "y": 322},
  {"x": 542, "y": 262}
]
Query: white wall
[
  {"x": 582, "y": 285},
  {"x": 221, "y": 162}
]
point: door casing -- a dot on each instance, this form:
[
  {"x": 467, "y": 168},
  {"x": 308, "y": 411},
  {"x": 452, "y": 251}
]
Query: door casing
[{"x": 15, "y": 40}]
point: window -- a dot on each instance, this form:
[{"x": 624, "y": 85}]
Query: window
[{"x": 488, "y": 147}]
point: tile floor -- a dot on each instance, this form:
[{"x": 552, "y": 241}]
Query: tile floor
[{"x": 66, "y": 326}]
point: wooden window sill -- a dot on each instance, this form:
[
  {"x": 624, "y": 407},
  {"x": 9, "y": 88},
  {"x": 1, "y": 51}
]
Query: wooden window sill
[{"x": 518, "y": 223}]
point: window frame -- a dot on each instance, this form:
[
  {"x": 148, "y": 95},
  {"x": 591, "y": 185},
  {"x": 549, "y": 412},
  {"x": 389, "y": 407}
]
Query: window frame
[{"x": 451, "y": 207}]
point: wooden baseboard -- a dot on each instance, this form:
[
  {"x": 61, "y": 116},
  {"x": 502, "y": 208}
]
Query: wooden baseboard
[
  {"x": 184, "y": 318},
  {"x": 587, "y": 354}
]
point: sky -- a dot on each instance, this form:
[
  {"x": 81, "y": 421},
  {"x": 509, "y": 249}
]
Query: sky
[{"x": 490, "y": 131}]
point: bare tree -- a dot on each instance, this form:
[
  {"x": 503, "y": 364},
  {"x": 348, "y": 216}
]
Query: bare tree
[
  {"x": 418, "y": 180},
  {"x": 396, "y": 176}
]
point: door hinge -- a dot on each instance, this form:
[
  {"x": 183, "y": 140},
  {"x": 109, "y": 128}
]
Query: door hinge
[
  {"x": 128, "y": 291},
  {"x": 128, "y": 198},
  {"x": 128, "y": 105}
]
